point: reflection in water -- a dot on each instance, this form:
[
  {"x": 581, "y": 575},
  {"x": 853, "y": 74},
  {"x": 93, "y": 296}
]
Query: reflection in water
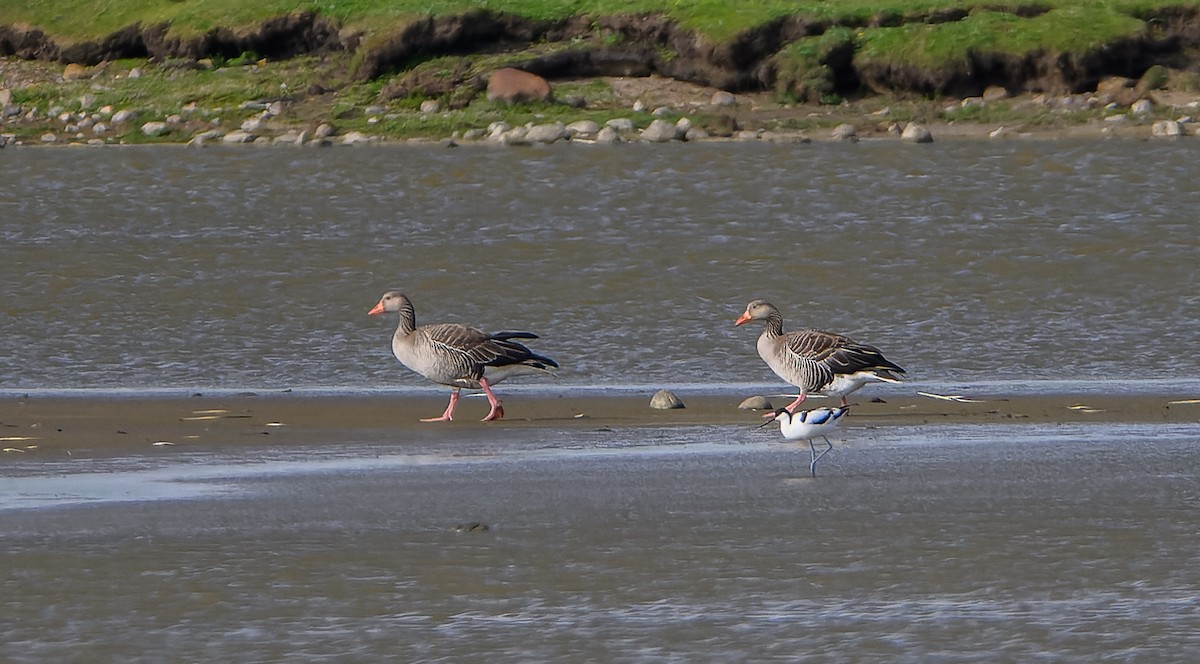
[{"x": 253, "y": 268}]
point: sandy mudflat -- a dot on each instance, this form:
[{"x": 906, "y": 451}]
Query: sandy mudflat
[{"x": 31, "y": 426}]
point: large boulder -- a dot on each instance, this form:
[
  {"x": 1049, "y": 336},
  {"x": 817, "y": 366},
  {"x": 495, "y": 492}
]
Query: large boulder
[{"x": 510, "y": 86}]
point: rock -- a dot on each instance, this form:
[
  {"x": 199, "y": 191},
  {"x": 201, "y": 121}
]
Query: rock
[
  {"x": 662, "y": 111},
  {"x": 3, "y": 141},
  {"x": 971, "y": 102},
  {"x": 155, "y": 128},
  {"x": 431, "y": 106},
  {"x": 356, "y": 138},
  {"x": 917, "y": 133},
  {"x": 5, "y": 97},
  {"x": 123, "y": 115},
  {"x": 994, "y": 93},
  {"x": 49, "y": 138},
  {"x": 999, "y": 132},
  {"x": 86, "y": 101},
  {"x": 136, "y": 72},
  {"x": 9, "y": 110},
  {"x": 374, "y": 110},
  {"x": 252, "y": 125},
  {"x": 575, "y": 101},
  {"x": 682, "y": 126},
  {"x": 607, "y": 136},
  {"x": 75, "y": 72},
  {"x": 756, "y": 403},
  {"x": 620, "y": 124},
  {"x": 1166, "y": 129},
  {"x": 844, "y": 132},
  {"x": 695, "y": 134},
  {"x": 324, "y": 130},
  {"x": 474, "y": 134},
  {"x": 509, "y": 86},
  {"x": 638, "y": 106},
  {"x": 210, "y": 135},
  {"x": 545, "y": 133},
  {"x": 100, "y": 129},
  {"x": 1141, "y": 107},
  {"x": 515, "y": 136},
  {"x": 237, "y": 136},
  {"x": 722, "y": 98},
  {"x": 275, "y": 109},
  {"x": 1117, "y": 119},
  {"x": 665, "y": 400},
  {"x": 585, "y": 128},
  {"x": 659, "y": 131}
]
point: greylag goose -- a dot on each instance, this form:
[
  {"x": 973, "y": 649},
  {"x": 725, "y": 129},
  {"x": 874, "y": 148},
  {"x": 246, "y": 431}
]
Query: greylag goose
[
  {"x": 459, "y": 356},
  {"x": 808, "y": 425},
  {"x": 816, "y": 361}
]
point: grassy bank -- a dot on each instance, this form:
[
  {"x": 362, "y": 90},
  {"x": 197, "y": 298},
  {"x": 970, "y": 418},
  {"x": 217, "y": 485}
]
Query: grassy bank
[{"x": 911, "y": 52}]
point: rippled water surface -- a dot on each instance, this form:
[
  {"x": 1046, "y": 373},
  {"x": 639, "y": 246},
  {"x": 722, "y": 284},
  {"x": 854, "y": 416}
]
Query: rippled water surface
[
  {"x": 1014, "y": 263},
  {"x": 915, "y": 544},
  {"x": 160, "y": 267}
]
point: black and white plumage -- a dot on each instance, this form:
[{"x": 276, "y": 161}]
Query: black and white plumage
[
  {"x": 809, "y": 425},
  {"x": 816, "y": 361},
  {"x": 459, "y": 356}
]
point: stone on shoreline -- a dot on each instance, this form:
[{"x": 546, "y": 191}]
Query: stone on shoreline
[
  {"x": 665, "y": 400},
  {"x": 917, "y": 133},
  {"x": 584, "y": 128},
  {"x": 844, "y": 132},
  {"x": 123, "y": 115},
  {"x": 545, "y": 133},
  {"x": 1166, "y": 129},
  {"x": 620, "y": 124},
  {"x": 607, "y": 136},
  {"x": 237, "y": 136},
  {"x": 154, "y": 129},
  {"x": 755, "y": 403},
  {"x": 659, "y": 131}
]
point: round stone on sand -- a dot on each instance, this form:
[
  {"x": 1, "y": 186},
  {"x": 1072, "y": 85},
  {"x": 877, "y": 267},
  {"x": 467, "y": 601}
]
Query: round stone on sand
[
  {"x": 756, "y": 403},
  {"x": 665, "y": 400}
]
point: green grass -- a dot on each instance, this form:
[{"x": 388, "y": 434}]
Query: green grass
[
  {"x": 1066, "y": 30},
  {"x": 718, "y": 19}
]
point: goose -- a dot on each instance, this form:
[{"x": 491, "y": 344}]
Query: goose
[
  {"x": 808, "y": 425},
  {"x": 459, "y": 356},
  {"x": 817, "y": 361}
]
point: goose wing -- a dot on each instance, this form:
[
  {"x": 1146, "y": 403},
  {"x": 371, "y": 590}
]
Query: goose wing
[
  {"x": 477, "y": 349},
  {"x": 839, "y": 353}
]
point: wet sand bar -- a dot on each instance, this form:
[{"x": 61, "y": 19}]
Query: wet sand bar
[{"x": 38, "y": 425}]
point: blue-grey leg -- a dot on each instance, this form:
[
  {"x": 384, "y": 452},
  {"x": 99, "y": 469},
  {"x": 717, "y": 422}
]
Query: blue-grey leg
[{"x": 812, "y": 467}]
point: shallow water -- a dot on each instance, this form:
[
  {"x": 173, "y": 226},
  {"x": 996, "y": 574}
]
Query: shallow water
[
  {"x": 1014, "y": 267},
  {"x": 934, "y": 543},
  {"x": 221, "y": 268}
]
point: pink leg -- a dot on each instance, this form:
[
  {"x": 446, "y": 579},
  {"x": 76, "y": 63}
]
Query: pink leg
[
  {"x": 449, "y": 414},
  {"x": 791, "y": 408},
  {"x": 799, "y": 400},
  {"x": 497, "y": 410}
]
